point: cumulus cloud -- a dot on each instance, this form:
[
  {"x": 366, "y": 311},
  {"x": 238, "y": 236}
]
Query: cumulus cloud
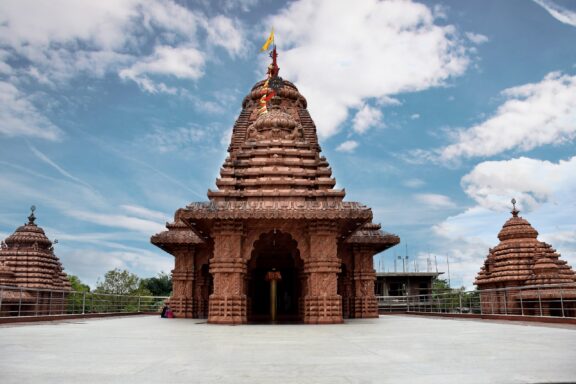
[
  {"x": 532, "y": 115},
  {"x": 434, "y": 201},
  {"x": 532, "y": 182},
  {"x": 347, "y": 146},
  {"x": 343, "y": 53},
  {"x": 143, "y": 41},
  {"x": 558, "y": 12},
  {"x": 20, "y": 117},
  {"x": 183, "y": 63},
  {"x": 545, "y": 193},
  {"x": 366, "y": 118}
]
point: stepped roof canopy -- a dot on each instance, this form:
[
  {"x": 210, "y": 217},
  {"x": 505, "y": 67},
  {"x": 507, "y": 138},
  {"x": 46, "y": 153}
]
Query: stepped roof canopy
[
  {"x": 29, "y": 261},
  {"x": 520, "y": 259}
]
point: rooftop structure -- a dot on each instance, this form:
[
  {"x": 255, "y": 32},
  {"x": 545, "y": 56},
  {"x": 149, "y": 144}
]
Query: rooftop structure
[
  {"x": 520, "y": 260},
  {"x": 275, "y": 207},
  {"x": 27, "y": 260}
]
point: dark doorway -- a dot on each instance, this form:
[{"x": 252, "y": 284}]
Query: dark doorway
[{"x": 274, "y": 250}]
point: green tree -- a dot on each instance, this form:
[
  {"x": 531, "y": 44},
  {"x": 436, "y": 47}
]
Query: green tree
[
  {"x": 121, "y": 282},
  {"x": 77, "y": 284},
  {"x": 160, "y": 285}
]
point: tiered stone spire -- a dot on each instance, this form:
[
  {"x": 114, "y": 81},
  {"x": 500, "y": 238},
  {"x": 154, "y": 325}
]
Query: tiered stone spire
[
  {"x": 521, "y": 259},
  {"x": 275, "y": 155},
  {"x": 29, "y": 255}
]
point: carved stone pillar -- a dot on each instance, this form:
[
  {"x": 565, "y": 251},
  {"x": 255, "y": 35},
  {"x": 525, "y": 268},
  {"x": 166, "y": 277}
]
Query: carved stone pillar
[
  {"x": 322, "y": 304},
  {"x": 182, "y": 300},
  {"x": 365, "y": 303},
  {"x": 228, "y": 302}
]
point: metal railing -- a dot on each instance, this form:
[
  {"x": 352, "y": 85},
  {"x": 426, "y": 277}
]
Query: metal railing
[
  {"x": 557, "y": 300},
  {"x": 23, "y": 302}
]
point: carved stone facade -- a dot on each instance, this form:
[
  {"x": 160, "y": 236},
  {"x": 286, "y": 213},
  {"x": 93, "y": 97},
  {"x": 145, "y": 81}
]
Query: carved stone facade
[
  {"x": 27, "y": 260},
  {"x": 275, "y": 208},
  {"x": 521, "y": 260}
]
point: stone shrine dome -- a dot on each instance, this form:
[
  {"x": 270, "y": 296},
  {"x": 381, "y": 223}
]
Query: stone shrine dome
[
  {"x": 28, "y": 260},
  {"x": 521, "y": 259}
]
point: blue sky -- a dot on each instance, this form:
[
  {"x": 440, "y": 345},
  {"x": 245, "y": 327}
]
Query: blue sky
[{"x": 113, "y": 114}]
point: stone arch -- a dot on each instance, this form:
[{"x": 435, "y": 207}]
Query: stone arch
[{"x": 275, "y": 250}]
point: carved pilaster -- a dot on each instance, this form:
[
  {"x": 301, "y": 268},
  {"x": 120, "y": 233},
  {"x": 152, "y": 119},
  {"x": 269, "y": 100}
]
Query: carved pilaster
[
  {"x": 182, "y": 300},
  {"x": 228, "y": 302},
  {"x": 364, "y": 276},
  {"x": 322, "y": 304}
]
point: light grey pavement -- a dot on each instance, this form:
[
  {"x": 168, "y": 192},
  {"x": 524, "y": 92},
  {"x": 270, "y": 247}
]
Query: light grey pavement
[{"x": 392, "y": 349}]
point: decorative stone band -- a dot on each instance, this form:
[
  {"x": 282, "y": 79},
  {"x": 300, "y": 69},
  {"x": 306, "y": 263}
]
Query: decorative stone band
[
  {"x": 235, "y": 265},
  {"x": 182, "y": 275},
  {"x": 269, "y": 209},
  {"x": 328, "y": 266}
]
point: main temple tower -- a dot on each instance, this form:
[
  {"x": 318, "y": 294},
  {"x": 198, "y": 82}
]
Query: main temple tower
[{"x": 275, "y": 209}]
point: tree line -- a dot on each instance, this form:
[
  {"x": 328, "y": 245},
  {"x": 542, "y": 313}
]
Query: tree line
[{"x": 123, "y": 282}]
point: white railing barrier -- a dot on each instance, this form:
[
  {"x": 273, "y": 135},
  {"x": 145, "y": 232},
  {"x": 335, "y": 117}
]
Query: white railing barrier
[
  {"x": 27, "y": 302},
  {"x": 554, "y": 300}
]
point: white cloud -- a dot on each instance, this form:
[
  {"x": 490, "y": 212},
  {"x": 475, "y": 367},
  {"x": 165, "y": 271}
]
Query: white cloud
[
  {"x": 182, "y": 63},
  {"x": 545, "y": 193},
  {"x": 413, "y": 183},
  {"x": 168, "y": 140},
  {"x": 20, "y": 117},
  {"x": 347, "y": 146},
  {"x": 558, "y": 12},
  {"x": 434, "y": 201},
  {"x": 341, "y": 53},
  {"x": 145, "y": 212},
  {"x": 62, "y": 38},
  {"x": 533, "y": 115},
  {"x": 476, "y": 38},
  {"x": 224, "y": 32},
  {"x": 40, "y": 155},
  {"x": 366, "y": 118},
  {"x": 117, "y": 221},
  {"x": 415, "y": 116},
  {"x": 532, "y": 182}
]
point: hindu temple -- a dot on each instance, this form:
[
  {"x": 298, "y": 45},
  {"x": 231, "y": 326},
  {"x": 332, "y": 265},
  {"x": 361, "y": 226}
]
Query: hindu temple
[
  {"x": 27, "y": 260},
  {"x": 275, "y": 240},
  {"x": 521, "y": 260}
]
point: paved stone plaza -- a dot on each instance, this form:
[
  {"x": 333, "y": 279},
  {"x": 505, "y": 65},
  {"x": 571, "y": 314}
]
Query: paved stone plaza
[{"x": 391, "y": 349}]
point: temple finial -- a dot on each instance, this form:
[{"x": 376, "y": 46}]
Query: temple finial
[
  {"x": 514, "y": 212},
  {"x": 31, "y": 218}
]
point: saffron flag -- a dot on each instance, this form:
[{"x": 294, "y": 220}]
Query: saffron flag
[{"x": 268, "y": 41}]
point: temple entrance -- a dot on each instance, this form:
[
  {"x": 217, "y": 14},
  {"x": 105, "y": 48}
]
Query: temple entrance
[{"x": 275, "y": 257}]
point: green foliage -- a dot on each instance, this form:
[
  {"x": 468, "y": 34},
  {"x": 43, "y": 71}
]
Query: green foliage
[
  {"x": 78, "y": 285},
  {"x": 121, "y": 282},
  {"x": 160, "y": 285}
]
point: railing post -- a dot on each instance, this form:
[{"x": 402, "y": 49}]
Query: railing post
[
  {"x": 492, "y": 303},
  {"x": 1, "y": 292},
  {"x": 83, "y": 303},
  {"x": 20, "y": 303},
  {"x": 50, "y": 304},
  {"x": 505, "y": 303},
  {"x": 460, "y": 301},
  {"x": 562, "y": 302},
  {"x": 521, "y": 304},
  {"x": 139, "y": 298},
  {"x": 62, "y": 304},
  {"x": 539, "y": 301}
]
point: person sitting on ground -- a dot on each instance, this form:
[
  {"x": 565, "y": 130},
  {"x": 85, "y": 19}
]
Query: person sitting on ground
[
  {"x": 164, "y": 310},
  {"x": 169, "y": 314}
]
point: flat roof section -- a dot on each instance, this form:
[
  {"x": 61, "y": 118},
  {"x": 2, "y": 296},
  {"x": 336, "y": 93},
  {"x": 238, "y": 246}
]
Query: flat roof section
[{"x": 391, "y": 349}]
